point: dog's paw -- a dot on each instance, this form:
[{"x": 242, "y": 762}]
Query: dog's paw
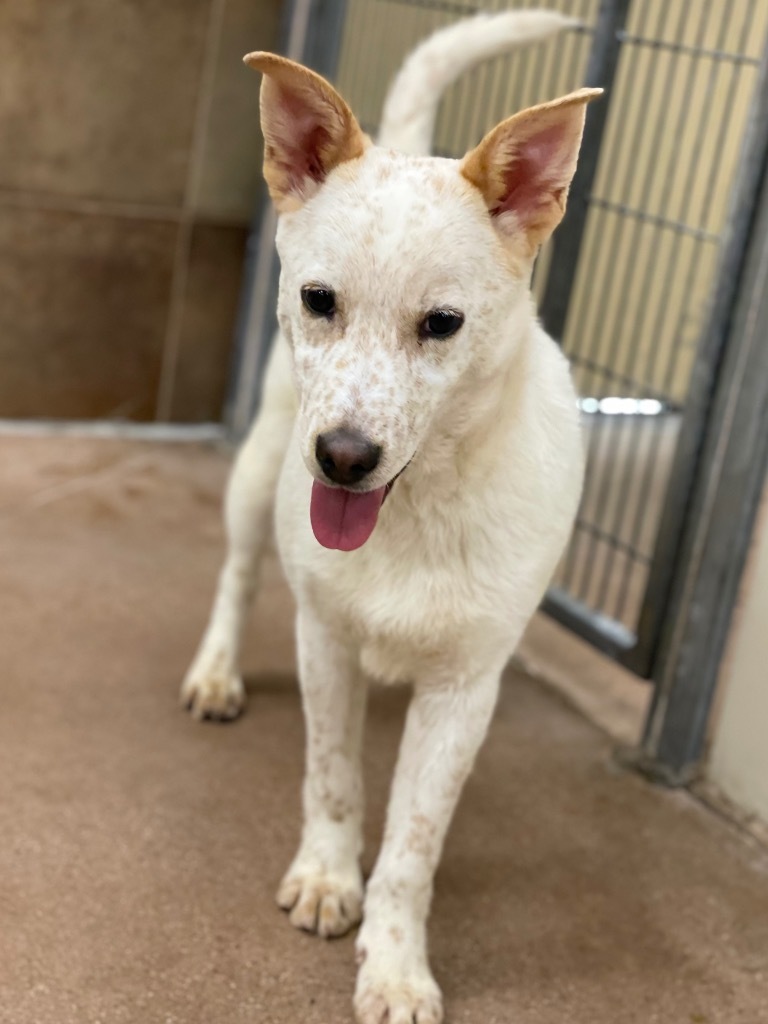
[
  {"x": 327, "y": 903},
  {"x": 385, "y": 998},
  {"x": 219, "y": 696}
]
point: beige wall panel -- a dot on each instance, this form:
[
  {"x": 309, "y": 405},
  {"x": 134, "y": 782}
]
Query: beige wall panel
[
  {"x": 98, "y": 99},
  {"x": 739, "y": 761}
]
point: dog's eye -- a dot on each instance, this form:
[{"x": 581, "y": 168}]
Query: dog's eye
[
  {"x": 320, "y": 301},
  {"x": 440, "y": 323}
]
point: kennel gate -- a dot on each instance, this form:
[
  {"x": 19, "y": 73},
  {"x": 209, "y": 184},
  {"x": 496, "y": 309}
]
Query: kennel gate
[{"x": 645, "y": 284}]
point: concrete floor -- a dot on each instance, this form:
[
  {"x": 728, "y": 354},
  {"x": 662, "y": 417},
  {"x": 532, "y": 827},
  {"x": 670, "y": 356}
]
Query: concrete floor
[{"x": 140, "y": 851}]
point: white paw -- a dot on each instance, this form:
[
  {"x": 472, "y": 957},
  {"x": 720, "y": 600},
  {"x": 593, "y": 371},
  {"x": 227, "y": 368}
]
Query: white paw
[
  {"x": 407, "y": 996},
  {"x": 217, "y": 694},
  {"x": 327, "y": 903}
]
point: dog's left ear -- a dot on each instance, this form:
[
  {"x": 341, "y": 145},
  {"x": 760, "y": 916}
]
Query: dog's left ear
[
  {"x": 524, "y": 166},
  {"x": 308, "y": 129}
]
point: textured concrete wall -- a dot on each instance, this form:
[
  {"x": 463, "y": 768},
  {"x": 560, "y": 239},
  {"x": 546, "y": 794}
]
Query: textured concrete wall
[{"x": 129, "y": 171}]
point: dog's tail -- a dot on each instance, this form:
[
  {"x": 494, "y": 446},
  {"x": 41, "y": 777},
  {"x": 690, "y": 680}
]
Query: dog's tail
[{"x": 411, "y": 105}]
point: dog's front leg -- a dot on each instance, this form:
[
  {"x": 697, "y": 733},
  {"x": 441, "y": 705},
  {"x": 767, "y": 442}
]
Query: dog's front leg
[
  {"x": 323, "y": 888},
  {"x": 212, "y": 687},
  {"x": 445, "y": 726}
]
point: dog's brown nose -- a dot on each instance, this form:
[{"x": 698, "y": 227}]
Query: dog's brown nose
[{"x": 346, "y": 456}]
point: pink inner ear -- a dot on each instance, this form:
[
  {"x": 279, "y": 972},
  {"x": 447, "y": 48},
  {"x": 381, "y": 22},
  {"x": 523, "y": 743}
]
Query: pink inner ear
[
  {"x": 538, "y": 168},
  {"x": 301, "y": 136}
]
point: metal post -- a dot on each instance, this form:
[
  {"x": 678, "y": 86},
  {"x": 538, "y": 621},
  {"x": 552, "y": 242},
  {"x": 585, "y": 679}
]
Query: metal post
[
  {"x": 566, "y": 244},
  {"x": 311, "y": 34},
  {"x": 715, "y": 340},
  {"x": 730, "y": 475}
]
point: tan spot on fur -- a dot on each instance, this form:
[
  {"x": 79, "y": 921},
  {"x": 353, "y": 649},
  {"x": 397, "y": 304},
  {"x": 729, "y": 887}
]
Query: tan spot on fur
[
  {"x": 421, "y": 835},
  {"x": 436, "y": 179},
  {"x": 338, "y": 811}
]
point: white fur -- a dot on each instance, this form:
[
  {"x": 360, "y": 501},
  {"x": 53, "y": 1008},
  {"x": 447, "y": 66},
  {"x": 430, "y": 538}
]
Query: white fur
[
  {"x": 464, "y": 546},
  {"x": 410, "y": 109}
]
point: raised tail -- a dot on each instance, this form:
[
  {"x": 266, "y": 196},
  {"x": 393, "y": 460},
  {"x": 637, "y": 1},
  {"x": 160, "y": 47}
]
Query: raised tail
[{"x": 413, "y": 98}]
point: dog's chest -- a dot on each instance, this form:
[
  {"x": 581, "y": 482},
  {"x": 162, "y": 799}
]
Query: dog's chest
[
  {"x": 420, "y": 596},
  {"x": 409, "y": 615}
]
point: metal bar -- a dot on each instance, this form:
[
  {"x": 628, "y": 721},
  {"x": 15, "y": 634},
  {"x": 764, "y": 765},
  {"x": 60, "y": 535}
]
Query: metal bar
[
  {"x": 605, "y": 634},
  {"x": 713, "y": 343},
  {"x": 311, "y": 33},
  {"x": 563, "y": 72},
  {"x": 660, "y": 222},
  {"x": 605, "y": 326},
  {"x": 619, "y": 447},
  {"x": 443, "y": 6},
  {"x": 596, "y": 256},
  {"x": 601, "y": 71},
  {"x": 615, "y": 542},
  {"x": 624, "y": 380},
  {"x": 258, "y": 293},
  {"x": 322, "y": 41},
  {"x": 729, "y": 482},
  {"x": 692, "y": 51}
]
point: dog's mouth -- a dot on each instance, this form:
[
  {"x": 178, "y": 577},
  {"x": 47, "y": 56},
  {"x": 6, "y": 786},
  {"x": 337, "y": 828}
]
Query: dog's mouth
[{"x": 344, "y": 520}]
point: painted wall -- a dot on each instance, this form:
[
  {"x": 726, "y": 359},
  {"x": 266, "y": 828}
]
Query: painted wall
[
  {"x": 129, "y": 172},
  {"x": 739, "y": 757}
]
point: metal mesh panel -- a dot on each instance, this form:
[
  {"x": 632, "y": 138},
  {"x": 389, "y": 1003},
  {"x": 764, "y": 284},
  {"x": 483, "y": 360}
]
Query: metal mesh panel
[
  {"x": 657, "y": 213},
  {"x": 380, "y": 33}
]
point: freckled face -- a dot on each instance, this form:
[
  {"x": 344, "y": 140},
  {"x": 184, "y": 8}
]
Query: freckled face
[{"x": 394, "y": 285}]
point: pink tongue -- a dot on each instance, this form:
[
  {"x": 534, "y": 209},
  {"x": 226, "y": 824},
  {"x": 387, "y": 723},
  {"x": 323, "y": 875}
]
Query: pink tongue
[{"x": 343, "y": 519}]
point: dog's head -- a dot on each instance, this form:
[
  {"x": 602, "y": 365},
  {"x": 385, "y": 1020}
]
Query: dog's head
[{"x": 402, "y": 277}]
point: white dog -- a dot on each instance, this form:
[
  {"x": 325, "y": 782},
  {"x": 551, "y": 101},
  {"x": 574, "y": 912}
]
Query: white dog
[{"x": 421, "y": 434}]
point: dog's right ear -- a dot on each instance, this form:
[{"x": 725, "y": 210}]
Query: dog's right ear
[
  {"x": 524, "y": 166},
  {"x": 308, "y": 129}
]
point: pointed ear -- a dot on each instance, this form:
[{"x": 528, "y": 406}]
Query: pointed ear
[
  {"x": 308, "y": 129},
  {"x": 524, "y": 166}
]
